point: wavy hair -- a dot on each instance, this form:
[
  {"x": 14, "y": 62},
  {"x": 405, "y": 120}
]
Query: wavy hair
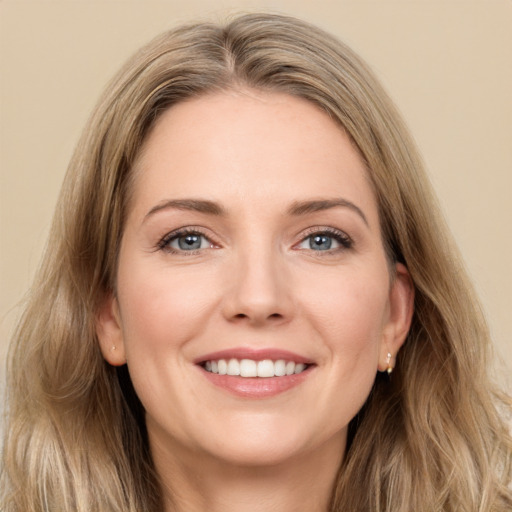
[{"x": 434, "y": 438}]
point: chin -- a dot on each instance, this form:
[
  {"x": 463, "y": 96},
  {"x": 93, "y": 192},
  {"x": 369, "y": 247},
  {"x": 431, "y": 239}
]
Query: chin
[
  {"x": 264, "y": 443},
  {"x": 254, "y": 455}
]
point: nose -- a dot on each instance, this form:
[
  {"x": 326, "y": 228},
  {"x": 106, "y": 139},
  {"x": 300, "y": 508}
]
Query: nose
[{"x": 259, "y": 292}]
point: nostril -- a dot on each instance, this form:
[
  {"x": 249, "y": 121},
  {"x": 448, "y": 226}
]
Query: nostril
[{"x": 271, "y": 317}]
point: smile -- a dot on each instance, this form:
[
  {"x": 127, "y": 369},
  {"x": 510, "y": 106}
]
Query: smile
[
  {"x": 265, "y": 368},
  {"x": 255, "y": 373}
]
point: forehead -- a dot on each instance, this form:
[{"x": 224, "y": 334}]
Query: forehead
[{"x": 248, "y": 145}]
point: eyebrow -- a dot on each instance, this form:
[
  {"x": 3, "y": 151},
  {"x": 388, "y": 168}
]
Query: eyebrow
[
  {"x": 196, "y": 205},
  {"x": 298, "y": 208},
  {"x": 306, "y": 207}
]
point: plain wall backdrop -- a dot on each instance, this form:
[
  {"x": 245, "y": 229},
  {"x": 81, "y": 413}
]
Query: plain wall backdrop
[{"x": 447, "y": 64}]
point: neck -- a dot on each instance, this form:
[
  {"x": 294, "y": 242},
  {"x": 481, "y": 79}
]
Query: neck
[{"x": 199, "y": 483}]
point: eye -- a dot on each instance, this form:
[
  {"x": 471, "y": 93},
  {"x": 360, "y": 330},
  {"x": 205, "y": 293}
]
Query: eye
[
  {"x": 184, "y": 241},
  {"x": 326, "y": 241}
]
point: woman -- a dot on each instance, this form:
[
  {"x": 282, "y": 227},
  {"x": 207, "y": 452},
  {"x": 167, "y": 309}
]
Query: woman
[{"x": 249, "y": 300}]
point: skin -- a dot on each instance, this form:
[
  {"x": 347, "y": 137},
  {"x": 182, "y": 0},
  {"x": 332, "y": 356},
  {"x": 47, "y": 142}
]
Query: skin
[{"x": 256, "y": 282}]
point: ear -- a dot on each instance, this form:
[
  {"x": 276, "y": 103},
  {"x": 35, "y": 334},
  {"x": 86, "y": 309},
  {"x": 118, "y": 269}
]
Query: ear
[
  {"x": 109, "y": 331},
  {"x": 401, "y": 308}
]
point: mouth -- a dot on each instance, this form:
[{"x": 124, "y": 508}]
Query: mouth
[
  {"x": 250, "y": 368},
  {"x": 254, "y": 374}
]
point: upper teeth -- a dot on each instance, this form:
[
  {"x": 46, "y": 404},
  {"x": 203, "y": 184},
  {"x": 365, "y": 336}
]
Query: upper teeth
[{"x": 251, "y": 368}]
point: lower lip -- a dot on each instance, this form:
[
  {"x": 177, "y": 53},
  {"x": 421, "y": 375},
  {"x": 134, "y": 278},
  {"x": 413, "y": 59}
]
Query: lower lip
[{"x": 257, "y": 387}]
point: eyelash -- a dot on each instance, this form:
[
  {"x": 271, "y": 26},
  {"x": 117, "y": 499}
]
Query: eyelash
[
  {"x": 339, "y": 236},
  {"x": 164, "y": 243}
]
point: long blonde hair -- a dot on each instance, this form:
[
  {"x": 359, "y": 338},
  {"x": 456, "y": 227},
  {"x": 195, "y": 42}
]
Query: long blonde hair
[{"x": 431, "y": 439}]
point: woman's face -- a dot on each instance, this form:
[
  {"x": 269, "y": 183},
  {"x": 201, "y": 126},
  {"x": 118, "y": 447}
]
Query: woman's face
[{"x": 252, "y": 245}]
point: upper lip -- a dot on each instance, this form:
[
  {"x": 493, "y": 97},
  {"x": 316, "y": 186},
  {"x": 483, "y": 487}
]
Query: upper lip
[{"x": 255, "y": 354}]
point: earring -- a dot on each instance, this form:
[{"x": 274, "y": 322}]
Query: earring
[
  {"x": 113, "y": 348},
  {"x": 388, "y": 361}
]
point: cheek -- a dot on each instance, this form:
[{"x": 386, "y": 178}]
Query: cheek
[
  {"x": 162, "y": 309},
  {"x": 349, "y": 312},
  {"x": 163, "y": 313},
  {"x": 350, "y": 309}
]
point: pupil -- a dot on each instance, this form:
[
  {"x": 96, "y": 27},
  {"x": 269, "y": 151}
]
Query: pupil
[
  {"x": 189, "y": 242},
  {"x": 321, "y": 242}
]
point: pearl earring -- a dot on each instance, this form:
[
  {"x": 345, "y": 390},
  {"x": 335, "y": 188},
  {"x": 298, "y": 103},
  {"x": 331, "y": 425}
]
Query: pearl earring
[{"x": 389, "y": 368}]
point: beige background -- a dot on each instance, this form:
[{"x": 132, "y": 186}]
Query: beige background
[{"x": 447, "y": 64}]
